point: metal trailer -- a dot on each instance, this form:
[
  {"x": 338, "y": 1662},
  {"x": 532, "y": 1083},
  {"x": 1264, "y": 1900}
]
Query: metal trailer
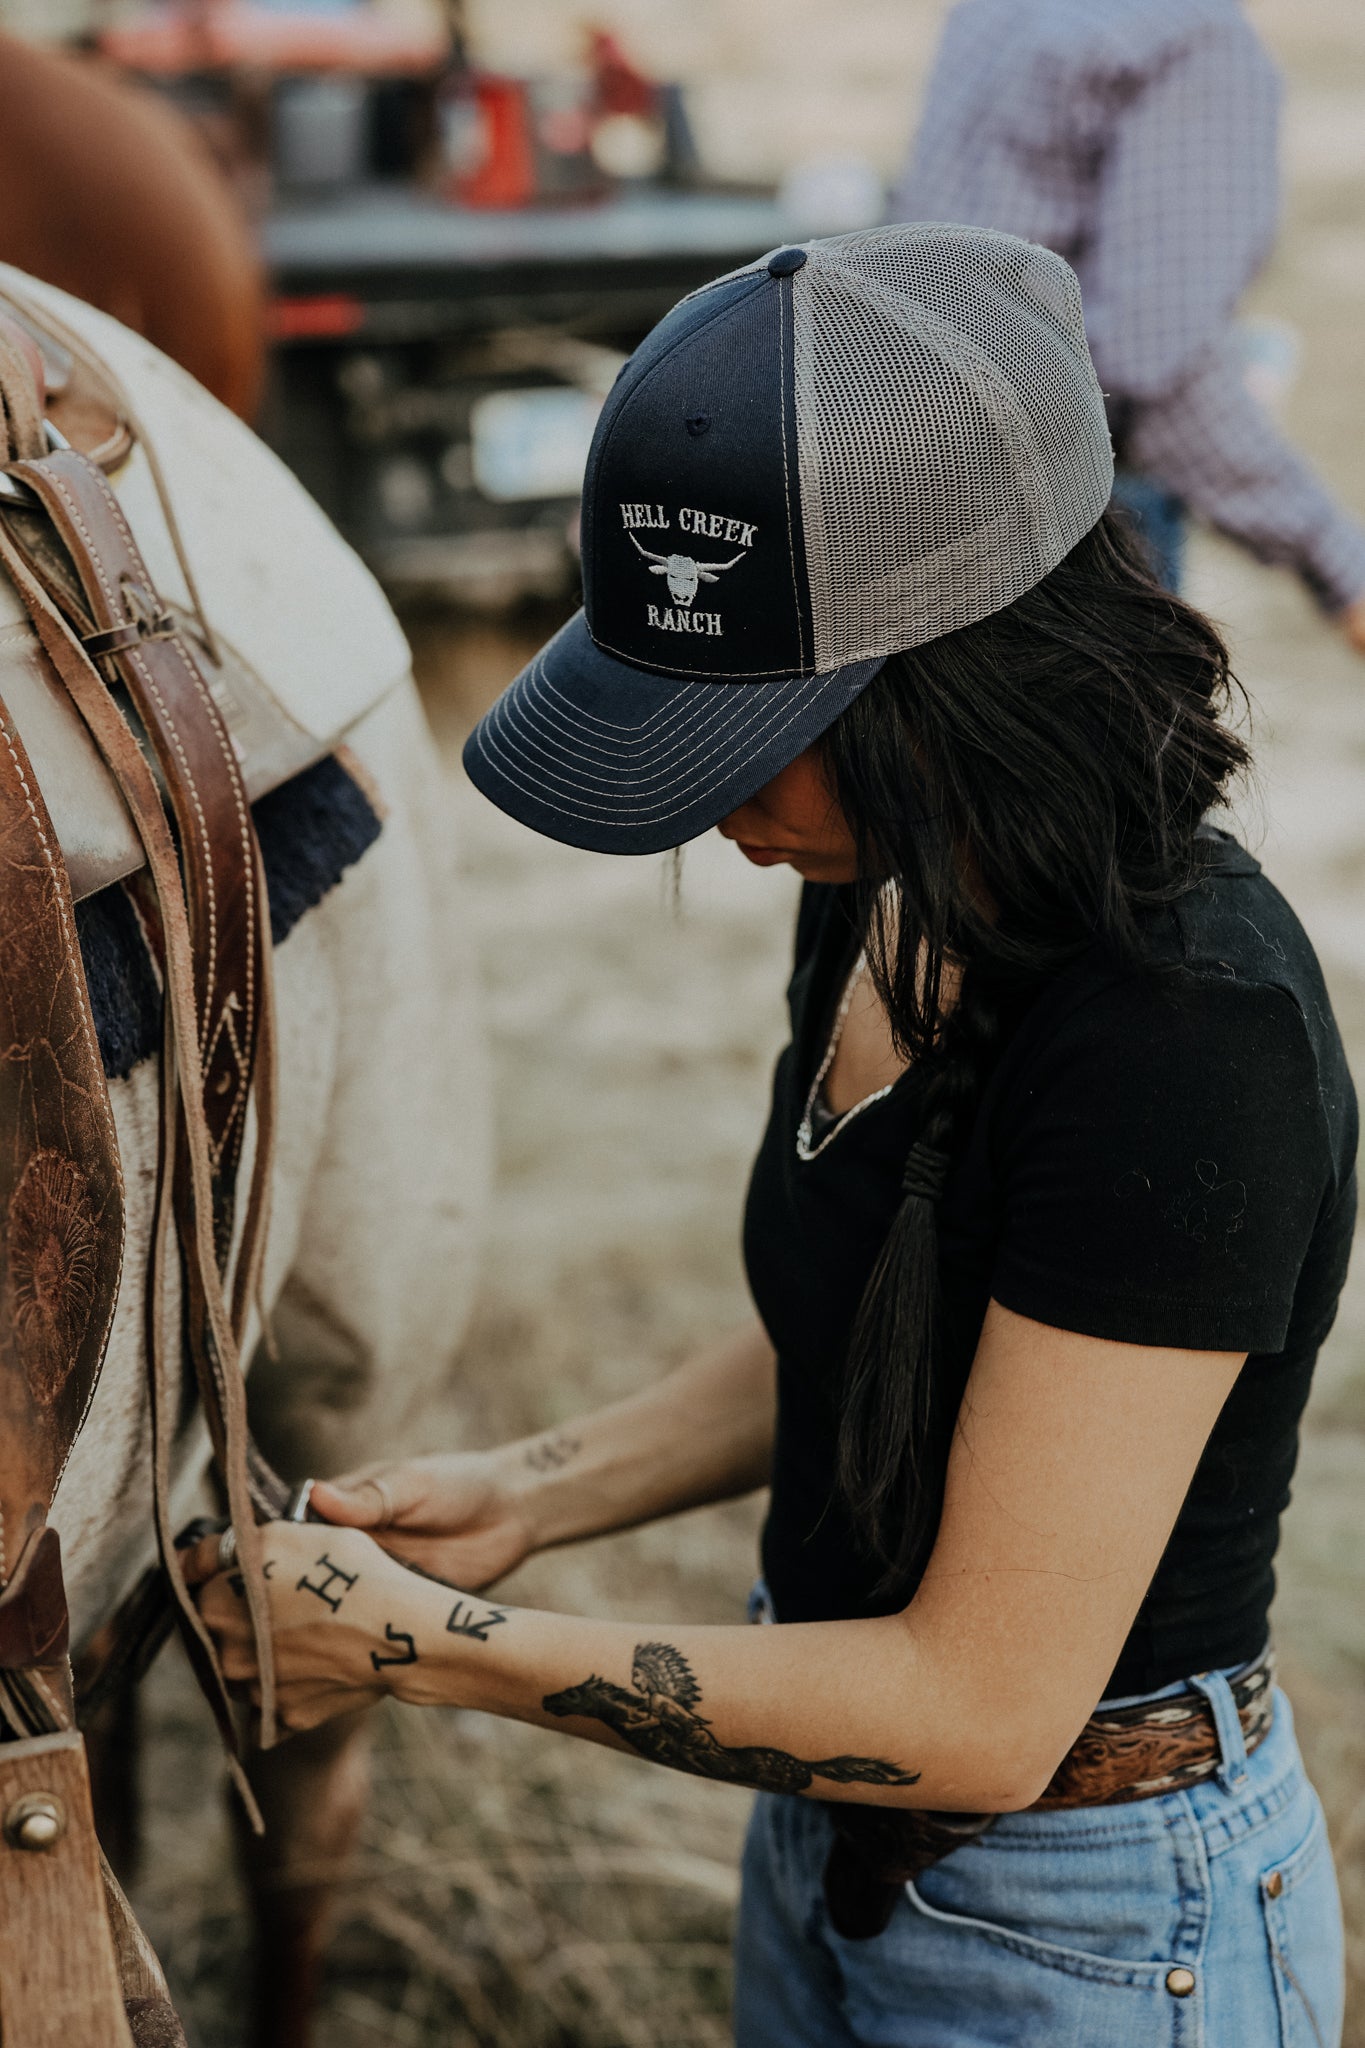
[{"x": 438, "y": 369}]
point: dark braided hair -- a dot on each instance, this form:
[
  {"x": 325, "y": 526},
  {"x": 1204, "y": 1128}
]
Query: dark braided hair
[{"x": 1019, "y": 790}]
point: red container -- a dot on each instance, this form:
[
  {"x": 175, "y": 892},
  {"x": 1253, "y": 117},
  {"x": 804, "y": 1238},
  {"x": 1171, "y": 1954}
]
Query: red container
[{"x": 495, "y": 164}]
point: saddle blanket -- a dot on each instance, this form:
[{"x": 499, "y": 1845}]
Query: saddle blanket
[{"x": 311, "y": 829}]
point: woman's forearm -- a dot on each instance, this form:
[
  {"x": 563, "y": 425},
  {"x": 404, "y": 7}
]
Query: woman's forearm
[
  {"x": 702, "y": 1433},
  {"x": 850, "y": 1710}
]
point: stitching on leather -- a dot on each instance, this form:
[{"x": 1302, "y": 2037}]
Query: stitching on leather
[
  {"x": 135, "y": 656},
  {"x": 39, "y": 1684},
  {"x": 40, "y": 604},
  {"x": 102, "y": 1108},
  {"x": 216, "y": 1364},
  {"x": 74, "y": 510},
  {"x": 228, "y": 1381},
  {"x": 243, "y": 824}
]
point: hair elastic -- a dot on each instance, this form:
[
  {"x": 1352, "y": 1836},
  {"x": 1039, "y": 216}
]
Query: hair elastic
[{"x": 926, "y": 1171}]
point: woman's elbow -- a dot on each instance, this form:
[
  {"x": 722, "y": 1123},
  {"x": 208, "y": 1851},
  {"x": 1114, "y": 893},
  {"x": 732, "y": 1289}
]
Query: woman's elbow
[{"x": 1008, "y": 1767}]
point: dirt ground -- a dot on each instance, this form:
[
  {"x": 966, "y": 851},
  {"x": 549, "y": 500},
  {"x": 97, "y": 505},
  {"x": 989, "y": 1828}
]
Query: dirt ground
[{"x": 520, "y": 1890}]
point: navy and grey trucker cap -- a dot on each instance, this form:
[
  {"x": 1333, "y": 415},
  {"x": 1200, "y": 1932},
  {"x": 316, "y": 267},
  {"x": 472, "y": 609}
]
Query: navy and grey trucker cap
[{"x": 841, "y": 451}]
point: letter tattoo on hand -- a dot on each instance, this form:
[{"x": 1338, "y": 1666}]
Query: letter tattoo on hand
[
  {"x": 335, "y": 1576},
  {"x": 659, "y": 1719},
  {"x": 394, "y": 1635},
  {"x": 467, "y": 1619}
]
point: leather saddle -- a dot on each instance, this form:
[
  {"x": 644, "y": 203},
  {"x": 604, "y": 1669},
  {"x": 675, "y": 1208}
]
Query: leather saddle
[{"x": 134, "y": 736}]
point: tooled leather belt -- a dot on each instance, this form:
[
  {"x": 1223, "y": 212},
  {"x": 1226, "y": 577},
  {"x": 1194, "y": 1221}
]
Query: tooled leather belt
[{"x": 1122, "y": 1754}]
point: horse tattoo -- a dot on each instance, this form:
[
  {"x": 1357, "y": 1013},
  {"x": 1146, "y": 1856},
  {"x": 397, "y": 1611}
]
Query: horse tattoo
[{"x": 660, "y": 1721}]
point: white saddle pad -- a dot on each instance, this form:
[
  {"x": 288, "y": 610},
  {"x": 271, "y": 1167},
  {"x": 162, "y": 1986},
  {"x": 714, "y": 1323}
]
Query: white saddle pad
[{"x": 311, "y": 645}]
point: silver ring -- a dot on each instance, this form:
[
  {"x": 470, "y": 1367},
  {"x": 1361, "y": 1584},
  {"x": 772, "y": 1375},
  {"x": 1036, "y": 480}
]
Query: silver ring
[
  {"x": 296, "y": 1509},
  {"x": 227, "y": 1549},
  {"x": 385, "y": 1499}
]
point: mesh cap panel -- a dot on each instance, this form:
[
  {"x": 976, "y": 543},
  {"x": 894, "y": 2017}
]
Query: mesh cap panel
[{"x": 951, "y": 434}]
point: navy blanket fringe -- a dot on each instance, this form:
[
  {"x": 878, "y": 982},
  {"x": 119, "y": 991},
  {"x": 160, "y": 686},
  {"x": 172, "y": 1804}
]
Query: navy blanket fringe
[{"x": 311, "y": 829}]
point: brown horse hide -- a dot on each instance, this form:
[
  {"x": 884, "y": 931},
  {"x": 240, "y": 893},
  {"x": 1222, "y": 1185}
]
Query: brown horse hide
[{"x": 107, "y": 192}]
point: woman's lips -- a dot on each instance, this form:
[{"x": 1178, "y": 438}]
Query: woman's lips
[{"x": 762, "y": 856}]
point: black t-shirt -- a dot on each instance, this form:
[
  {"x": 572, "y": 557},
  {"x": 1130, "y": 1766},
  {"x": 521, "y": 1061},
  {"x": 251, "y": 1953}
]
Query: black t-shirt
[{"x": 1160, "y": 1158}]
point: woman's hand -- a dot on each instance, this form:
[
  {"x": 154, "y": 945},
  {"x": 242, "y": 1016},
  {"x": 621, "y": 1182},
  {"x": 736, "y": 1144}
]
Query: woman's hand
[
  {"x": 702, "y": 1433},
  {"x": 458, "y": 1515},
  {"x": 343, "y": 1616}
]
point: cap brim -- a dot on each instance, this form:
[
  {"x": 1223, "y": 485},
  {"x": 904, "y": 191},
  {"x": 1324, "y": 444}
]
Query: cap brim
[{"x": 595, "y": 753}]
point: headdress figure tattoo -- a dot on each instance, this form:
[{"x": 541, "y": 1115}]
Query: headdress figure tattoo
[{"x": 659, "y": 1719}]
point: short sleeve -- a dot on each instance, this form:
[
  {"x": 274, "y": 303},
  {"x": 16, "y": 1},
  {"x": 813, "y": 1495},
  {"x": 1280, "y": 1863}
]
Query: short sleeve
[{"x": 1163, "y": 1159}]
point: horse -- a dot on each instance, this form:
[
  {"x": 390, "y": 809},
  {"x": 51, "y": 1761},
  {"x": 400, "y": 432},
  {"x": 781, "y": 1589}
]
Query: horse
[
  {"x": 381, "y": 1157},
  {"x": 108, "y": 192}
]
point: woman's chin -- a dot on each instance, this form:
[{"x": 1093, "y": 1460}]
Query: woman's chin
[{"x": 811, "y": 866}]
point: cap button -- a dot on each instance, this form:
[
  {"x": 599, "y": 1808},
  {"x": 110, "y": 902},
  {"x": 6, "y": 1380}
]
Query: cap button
[{"x": 785, "y": 262}]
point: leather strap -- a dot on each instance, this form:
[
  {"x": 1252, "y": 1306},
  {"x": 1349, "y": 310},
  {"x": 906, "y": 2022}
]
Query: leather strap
[
  {"x": 169, "y": 692},
  {"x": 61, "y": 1234},
  {"x": 62, "y": 1224},
  {"x": 22, "y": 385},
  {"x": 81, "y": 399},
  {"x": 215, "y": 994}
]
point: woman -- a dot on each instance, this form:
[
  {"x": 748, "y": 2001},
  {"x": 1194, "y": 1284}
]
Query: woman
[{"x": 1050, "y": 1219}]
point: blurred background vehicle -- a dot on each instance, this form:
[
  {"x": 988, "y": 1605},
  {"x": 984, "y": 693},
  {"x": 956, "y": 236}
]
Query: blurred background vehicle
[{"x": 458, "y": 257}]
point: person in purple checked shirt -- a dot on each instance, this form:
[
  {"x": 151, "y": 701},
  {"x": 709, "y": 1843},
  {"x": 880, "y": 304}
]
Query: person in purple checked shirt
[{"x": 1138, "y": 138}]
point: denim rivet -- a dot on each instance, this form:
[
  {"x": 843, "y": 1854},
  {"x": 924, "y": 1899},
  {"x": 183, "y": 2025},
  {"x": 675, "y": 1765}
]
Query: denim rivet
[
  {"x": 1274, "y": 1885},
  {"x": 1180, "y": 1983}
]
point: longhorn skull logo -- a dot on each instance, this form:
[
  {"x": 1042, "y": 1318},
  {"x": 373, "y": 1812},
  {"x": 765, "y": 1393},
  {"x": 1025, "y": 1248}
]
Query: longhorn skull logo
[{"x": 683, "y": 573}]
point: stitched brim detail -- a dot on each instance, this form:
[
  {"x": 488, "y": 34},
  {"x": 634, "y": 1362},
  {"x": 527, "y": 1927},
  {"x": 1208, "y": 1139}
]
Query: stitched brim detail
[{"x": 595, "y": 753}]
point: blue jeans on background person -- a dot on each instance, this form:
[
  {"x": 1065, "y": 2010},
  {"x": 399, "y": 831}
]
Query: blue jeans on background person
[
  {"x": 1207, "y": 1918},
  {"x": 1159, "y": 518}
]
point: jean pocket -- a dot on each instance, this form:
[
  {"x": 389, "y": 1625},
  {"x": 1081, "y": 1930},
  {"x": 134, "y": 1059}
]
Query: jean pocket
[
  {"x": 972, "y": 1980},
  {"x": 1303, "y": 1930},
  {"x": 1074, "y": 1962}
]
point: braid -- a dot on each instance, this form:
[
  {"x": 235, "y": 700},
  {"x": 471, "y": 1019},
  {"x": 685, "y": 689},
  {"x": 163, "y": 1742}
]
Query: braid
[{"x": 897, "y": 1412}]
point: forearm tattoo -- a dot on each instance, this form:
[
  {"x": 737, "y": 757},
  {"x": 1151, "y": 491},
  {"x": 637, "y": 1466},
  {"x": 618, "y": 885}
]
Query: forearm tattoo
[
  {"x": 395, "y": 1635},
  {"x": 550, "y": 1452},
  {"x": 468, "y": 1618},
  {"x": 660, "y": 1720},
  {"x": 335, "y": 1576}
]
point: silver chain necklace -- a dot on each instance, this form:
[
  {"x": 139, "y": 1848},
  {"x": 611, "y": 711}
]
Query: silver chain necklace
[{"x": 807, "y": 1145}]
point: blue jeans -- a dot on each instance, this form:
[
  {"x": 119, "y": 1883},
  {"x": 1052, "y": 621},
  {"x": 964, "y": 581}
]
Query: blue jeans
[
  {"x": 1159, "y": 518},
  {"x": 1074, "y": 1929}
]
